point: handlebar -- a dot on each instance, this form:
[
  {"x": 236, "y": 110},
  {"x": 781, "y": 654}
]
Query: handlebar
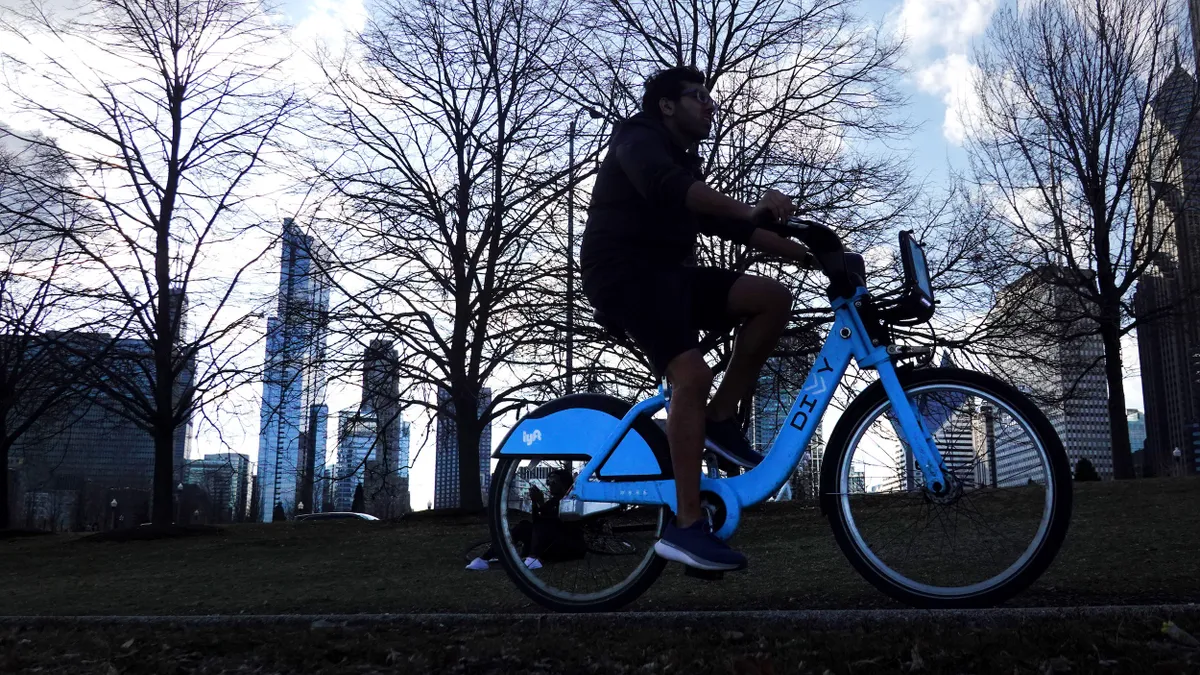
[{"x": 846, "y": 271}]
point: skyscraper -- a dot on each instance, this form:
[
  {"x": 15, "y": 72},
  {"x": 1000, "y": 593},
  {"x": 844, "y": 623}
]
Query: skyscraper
[
  {"x": 445, "y": 487},
  {"x": 225, "y": 478},
  {"x": 1167, "y": 297},
  {"x": 778, "y": 387},
  {"x": 1064, "y": 376},
  {"x": 1137, "y": 429},
  {"x": 291, "y": 448},
  {"x": 88, "y": 444},
  {"x": 388, "y": 472},
  {"x": 356, "y": 443}
]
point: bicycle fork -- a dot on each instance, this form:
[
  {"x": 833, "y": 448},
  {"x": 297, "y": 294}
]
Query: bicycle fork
[{"x": 915, "y": 439}]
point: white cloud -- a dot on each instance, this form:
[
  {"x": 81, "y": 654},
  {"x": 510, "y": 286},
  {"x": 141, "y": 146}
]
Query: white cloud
[
  {"x": 938, "y": 35},
  {"x": 946, "y": 24},
  {"x": 953, "y": 79}
]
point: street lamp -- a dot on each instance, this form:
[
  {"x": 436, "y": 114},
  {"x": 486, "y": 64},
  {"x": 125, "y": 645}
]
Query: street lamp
[
  {"x": 179, "y": 502},
  {"x": 571, "y": 244},
  {"x": 113, "y": 505},
  {"x": 1178, "y": 463},
  {"x": 300, "y": 507}
]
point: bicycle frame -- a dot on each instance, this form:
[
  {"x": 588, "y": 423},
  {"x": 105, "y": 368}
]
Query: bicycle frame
[{"x": 847, "y": 339}]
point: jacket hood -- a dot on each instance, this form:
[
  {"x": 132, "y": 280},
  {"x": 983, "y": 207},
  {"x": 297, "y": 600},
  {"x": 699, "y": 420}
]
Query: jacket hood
[{"x": 641, "y": 121}]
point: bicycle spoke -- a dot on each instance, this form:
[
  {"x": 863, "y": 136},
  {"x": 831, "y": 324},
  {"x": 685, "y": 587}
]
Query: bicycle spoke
[
  {"x": 586, "y": 558},
  {"x": 969, "y": 533}
]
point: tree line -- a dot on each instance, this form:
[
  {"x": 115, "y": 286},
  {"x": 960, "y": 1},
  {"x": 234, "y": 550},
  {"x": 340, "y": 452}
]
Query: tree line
[{"x": 436, "y": 156}]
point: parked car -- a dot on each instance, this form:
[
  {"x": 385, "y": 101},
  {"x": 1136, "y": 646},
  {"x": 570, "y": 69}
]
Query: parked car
[{"x": 336, "y": 515}]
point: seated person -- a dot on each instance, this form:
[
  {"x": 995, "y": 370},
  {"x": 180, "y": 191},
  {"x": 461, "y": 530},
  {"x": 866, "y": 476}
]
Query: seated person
[{"x": 545, "y": 537}]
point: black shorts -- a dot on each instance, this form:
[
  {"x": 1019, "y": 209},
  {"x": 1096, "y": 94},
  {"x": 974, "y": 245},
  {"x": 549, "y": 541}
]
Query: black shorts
[{"x": 663, "y": 308}]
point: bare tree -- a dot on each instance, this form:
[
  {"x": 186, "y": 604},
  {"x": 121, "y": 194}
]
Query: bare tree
[
  {"x": 169, "y": 113},
  {"x": 1065, "y": 151},
  {"x": 437, "y": 203}
]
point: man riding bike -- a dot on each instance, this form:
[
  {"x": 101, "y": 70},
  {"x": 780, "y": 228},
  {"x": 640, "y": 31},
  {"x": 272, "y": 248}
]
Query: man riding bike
[{"x": 637, "y": 261}]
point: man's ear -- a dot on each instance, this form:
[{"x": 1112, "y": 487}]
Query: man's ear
[{"x": 666, "y": 106}]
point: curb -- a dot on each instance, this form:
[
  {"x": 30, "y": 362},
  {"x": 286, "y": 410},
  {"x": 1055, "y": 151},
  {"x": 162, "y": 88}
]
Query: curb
[{"x": 830, "y": 618}]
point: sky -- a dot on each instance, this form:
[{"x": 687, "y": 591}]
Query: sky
[{"x": 939, "y": 35}]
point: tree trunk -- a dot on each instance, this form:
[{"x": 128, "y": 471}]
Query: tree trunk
[
  {"x": 4, "y": 514},
  {"x": 1117, "y": 423},
  {"x": 470, "y": 498}
]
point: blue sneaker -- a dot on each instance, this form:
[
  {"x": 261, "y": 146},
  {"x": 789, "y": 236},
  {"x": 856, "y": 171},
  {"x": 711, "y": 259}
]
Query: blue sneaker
[
  {"x": 696, "y": 546},
  {"x": 726, "y": 438}
]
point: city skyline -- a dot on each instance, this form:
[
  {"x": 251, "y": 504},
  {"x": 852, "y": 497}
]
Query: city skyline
[{"x": 500, "y": 427}]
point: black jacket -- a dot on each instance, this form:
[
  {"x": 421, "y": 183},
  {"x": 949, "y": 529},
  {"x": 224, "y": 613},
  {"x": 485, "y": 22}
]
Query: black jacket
[{"x": 637, "y": 215}]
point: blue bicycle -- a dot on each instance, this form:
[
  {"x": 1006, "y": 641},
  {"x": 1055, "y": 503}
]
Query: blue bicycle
[{"x": 944, "y": 487}]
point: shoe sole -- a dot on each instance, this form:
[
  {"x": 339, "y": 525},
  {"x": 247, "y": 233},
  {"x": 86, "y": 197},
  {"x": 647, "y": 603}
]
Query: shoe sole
[
  {"x": 674, "y": 553},
  {"x": 730, "y": 457}
]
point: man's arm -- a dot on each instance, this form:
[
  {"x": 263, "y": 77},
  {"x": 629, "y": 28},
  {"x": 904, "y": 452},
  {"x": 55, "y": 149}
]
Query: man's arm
[
  {"x": 769, "y": 242},
  {"x": 738, "y": 222},
  {"x": 705, "y": 201}
]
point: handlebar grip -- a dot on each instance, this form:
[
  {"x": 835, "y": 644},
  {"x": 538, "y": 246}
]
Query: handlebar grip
[{"x": 846, "y": 271}]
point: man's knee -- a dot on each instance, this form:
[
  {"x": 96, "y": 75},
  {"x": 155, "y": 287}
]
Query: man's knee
[
  {"x": 689, "y": 372},
  {"x": 777, "y": 297},
  {"x": 753, "y": 295}
]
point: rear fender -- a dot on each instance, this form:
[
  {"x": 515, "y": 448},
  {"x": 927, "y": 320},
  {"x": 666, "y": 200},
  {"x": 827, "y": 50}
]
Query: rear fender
[{"x": 573, "y": 427}]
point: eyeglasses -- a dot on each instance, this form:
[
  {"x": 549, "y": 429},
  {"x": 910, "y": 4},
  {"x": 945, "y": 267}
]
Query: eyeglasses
[{"x": 700, "y": 95}]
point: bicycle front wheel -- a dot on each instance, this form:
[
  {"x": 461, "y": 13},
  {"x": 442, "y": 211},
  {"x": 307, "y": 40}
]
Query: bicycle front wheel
[{"x": 988, "y": 537}]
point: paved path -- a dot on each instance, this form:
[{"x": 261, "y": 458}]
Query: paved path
[{"x": 817, "y": 618}]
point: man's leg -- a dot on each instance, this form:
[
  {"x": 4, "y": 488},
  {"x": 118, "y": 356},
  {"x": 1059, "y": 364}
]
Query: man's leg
[
  {"x": 691, "y": 380},
  {"x": 767, "y": 305},
  {"x": 689, "y": 540}
]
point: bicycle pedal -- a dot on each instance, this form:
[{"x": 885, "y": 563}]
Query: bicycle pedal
[{"x": 706, "y": 575}]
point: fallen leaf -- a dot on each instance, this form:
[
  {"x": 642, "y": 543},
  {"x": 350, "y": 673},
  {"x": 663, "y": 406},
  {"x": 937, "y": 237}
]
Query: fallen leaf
[
  {"x": 917, "y": 662},
  {"x": 1179, "y": 635},
  {"x": 1057, "y": 664},
  {"x": 128, "y": 643}
]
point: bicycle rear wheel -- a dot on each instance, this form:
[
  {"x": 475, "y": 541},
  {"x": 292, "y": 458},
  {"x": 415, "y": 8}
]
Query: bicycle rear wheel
[
  {"x": 616, "y": 565},
  {"x": 995, "y": 531}
]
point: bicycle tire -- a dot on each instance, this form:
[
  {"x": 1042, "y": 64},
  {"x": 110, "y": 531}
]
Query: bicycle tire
[
  {"x": 859, "y": 413},
  {"x": 615, "y": 598}
]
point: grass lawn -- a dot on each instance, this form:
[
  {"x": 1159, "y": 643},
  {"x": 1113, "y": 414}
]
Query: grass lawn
[{"x": 1130, "y": 542}]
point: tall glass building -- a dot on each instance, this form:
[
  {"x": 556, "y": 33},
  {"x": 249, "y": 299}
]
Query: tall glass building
[
  {"x": 291, "y": 446},
  {"x": 445, "y": 487},
  {"x": 777, "y": 389}
]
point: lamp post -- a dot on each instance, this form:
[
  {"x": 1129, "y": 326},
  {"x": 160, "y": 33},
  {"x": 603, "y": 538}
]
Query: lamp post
[
  {"x": 113, "y": 505},
  {"x": 300, "y": 508},
  {"x": 571, "y": 244},
  {"x": 1178, "y": 463},
  {"x": 179, "y": 502}
]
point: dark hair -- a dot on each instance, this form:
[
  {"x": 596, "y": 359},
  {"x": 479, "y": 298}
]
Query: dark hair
[{"x": 668, "y": 83}]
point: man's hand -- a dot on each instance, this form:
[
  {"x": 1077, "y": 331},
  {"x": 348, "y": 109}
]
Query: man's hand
[
  {"x": 774, "y": 208},
  {"x": 810, "y": 262},
  {"x": 769, "y": 242}
]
